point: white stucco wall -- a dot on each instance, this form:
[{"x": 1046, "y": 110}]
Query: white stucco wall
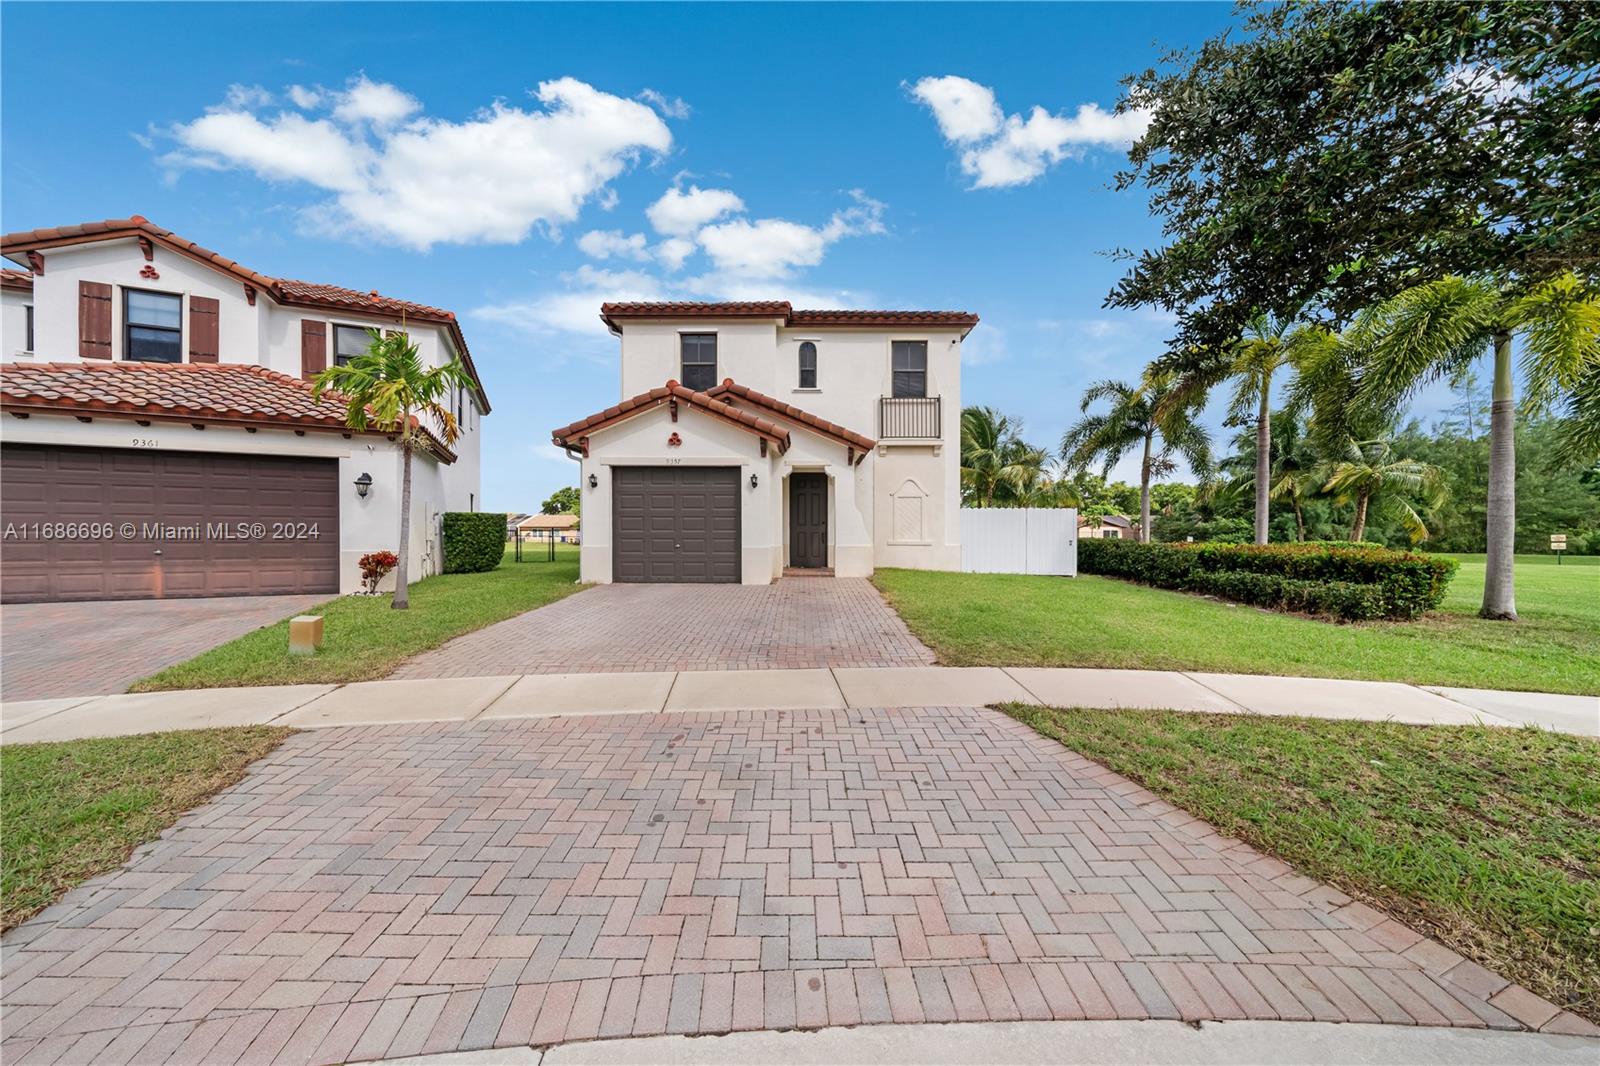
[
  {"x": 14, "y": 323},
  {"x": 854, "y": 371},
  {"x": 266, "y": 334}
]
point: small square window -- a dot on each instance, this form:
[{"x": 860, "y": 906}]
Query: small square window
[
  {"x": 153, "y": 326},
  {"x": 699, "y": 361},
  {"x": 349, "y": 342}
]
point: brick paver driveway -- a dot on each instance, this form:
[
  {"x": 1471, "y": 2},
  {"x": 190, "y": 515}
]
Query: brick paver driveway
[
  {"x": 794, "y": 623},
  {"x": 89, "y": 649},
  {"x": 387, "y": 891}
]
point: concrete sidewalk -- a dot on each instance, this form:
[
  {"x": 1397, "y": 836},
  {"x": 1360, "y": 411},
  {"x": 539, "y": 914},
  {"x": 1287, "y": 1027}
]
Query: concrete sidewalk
[
  {"x": 544, "y": 695},
  {"x": 1158, "y": 1043}
]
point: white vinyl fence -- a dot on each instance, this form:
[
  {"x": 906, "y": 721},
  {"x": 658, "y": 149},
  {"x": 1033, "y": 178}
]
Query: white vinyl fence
[{"x": 1019, "y": 540}]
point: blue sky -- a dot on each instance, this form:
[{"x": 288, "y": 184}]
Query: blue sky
[{"x": 519, "y": 163}]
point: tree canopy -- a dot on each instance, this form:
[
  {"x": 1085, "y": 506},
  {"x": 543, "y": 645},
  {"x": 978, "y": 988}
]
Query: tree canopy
[{"x": 1332, "y": 155}]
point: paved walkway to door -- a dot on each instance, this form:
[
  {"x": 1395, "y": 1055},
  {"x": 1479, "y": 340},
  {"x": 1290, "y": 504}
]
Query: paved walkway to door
[
  {"x": 394, "y": 890},
  {"x": 87, "y": 649},
  {"x": 795, "y": 623}
]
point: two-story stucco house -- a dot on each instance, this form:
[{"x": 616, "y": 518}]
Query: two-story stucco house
[
  {"x": 158, "y": 433},
  {"x": 755, "y": 439}
]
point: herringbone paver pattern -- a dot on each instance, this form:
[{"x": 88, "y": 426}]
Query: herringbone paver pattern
[
  {"x": 795, "y": 623},
  {"x": 390, "y": 891}
]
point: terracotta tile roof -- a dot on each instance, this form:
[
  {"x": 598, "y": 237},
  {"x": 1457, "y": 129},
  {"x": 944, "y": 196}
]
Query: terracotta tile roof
[
  {"x": 568, "y": 435},
  {"x": 284, "y": 291},
  {"x": 848, "y": 437},
  {"x": 234, "y": 393},
  {"x": 611, "y": 312},
  {"x": 549, "y": 521},
  {"x": 16, "y": 279}
]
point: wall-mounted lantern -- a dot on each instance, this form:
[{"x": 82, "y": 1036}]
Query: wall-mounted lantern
[
  {"x": 753, "y": 481},
  {"x": 363, "y": 484},
  {"x": 594, "y": 482}
]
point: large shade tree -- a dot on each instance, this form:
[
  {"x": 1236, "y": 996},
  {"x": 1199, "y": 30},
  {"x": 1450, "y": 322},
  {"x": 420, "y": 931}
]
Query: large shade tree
[
  {"x": 389, "y": 388},
  {"x": 1139, "y": 417},
  {"x": 1437, "y": 329},
  {"x": 1334, "y": 154}
]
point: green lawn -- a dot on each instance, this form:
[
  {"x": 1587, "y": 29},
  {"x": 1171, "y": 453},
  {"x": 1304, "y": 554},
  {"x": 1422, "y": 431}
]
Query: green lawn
[
  {"x": 1018, "y": 620},
  {"x": 1486, "y": 839},
  {"x": 363, "y": 638},
  {"x": 78, "y": 808}
]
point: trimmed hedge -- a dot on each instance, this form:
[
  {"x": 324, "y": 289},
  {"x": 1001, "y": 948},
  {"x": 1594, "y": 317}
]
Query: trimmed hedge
[
  {"x": 1346, "y": 581},
  {"x": 474, "y": 541}
]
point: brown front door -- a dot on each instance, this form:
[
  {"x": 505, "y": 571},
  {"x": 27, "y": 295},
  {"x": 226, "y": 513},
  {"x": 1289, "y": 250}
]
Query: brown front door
[
  {"x": 122, "y": 524},
  {"x": 808, "y": 520}
]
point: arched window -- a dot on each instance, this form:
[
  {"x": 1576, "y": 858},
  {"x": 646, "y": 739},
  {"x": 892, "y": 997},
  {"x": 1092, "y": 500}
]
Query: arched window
[{"x": 808, "y": 365}]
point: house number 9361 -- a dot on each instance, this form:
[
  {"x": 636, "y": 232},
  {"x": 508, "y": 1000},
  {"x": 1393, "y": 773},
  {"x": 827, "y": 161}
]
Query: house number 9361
[{"x": 145, "y": 442}]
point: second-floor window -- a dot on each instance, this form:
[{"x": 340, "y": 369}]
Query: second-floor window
[
  {"x": 153, "y": 326},
  {"x": 910, "y": 368},
  {"x": 808, "y": 365},
  {"x": 349, "y": 342},
  {"x": 699, "y": 360},
  {"x": 29, "y": 341}
]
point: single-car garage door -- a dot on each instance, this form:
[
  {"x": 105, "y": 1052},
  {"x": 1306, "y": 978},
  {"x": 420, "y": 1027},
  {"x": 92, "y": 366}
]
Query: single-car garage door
[
  {"x": 675, "y": 523},
  {"x": 120, "y": 524}
]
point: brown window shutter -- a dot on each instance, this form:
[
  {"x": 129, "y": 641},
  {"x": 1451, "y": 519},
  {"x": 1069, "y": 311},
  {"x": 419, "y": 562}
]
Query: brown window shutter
[
  {"x": 203, "y": 329},
  {"x": 313, "y": 347},
  {"x": 94, "y": 320}
]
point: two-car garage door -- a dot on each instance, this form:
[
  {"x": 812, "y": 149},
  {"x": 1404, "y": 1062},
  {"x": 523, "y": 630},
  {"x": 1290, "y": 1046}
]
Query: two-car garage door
[
  {"x": 118, "y": 523},
  {"x": 675, "y": 523}
]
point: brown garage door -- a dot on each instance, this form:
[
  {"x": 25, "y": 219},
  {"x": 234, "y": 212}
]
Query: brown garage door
[
  {"x": 119, "y": 524},
  {"x": 675, "y": 523}
]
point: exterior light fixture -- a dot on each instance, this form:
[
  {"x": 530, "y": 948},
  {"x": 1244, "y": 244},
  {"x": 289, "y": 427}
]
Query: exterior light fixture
[
  {"x": 753, "y": 481},
  {"x": 594, "y": 482},
  {"x": 363, "y": 484}
]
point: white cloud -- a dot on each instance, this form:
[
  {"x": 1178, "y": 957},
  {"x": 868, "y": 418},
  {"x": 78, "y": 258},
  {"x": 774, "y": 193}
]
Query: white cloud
[
  {"x": 999, "y": 150},
  {"x": 680, "y": 214},
  {"x": 247, "y": 96},
  {"x": 965, "y": 110},
  {"x": 575, "y": 309},
  {"x": 775, "y": 247},
  {"x": 672, "y": 107},
  {"x": 376, "y": 102},
  {"x": 675, "y": 251},
  {"x": 304, "y": 97},
  {"x": 405, "y": 178},
  {"x": 603, "y": 244}
]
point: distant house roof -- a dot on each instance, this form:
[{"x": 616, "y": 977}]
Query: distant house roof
[
  {"x": 549, "y": 521},
  {"x": 284, "y": 290},
  {"x": 1115, "y": 520},
  {"x": 610, "y": 313},
  {"x": 240, "y": 394}
]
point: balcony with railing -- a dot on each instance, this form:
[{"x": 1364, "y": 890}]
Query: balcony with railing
[{"x": 910, "y": 418}]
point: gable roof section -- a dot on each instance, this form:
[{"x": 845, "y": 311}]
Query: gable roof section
[
  {"x": 570, "y": 436},
  {"x": 287, "y": 292},
  {"x": 16, "y": 279},
  {"x": 225, "y": 393},
  {"x": 612, "y": 313},
  {"x": 832, "y": 430}
]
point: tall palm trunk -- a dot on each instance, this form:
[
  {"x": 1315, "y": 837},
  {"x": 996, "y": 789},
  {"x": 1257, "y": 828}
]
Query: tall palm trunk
[
  {"x": 1360, "y": 528},
  {"x": 1299, "y": 520},
  {"x": 1499, "y": 588},
  {"x": 1264, "y": 462},
  {"x": 1144, "y": 492},
  {"x": 402, "y": 587}
]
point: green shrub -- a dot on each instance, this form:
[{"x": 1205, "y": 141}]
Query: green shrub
[
  {"x": 1351, "y": 582},
  {"x": 473, "y": 541}
]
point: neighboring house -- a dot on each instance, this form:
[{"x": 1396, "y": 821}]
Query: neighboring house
[
  {"x": 1108, "y": 527},
  {"x": 563, "y": 526},
  {"x": 754, "y": 438},
  {"x": 150, "y": 385},
  {"x": 511, "y": 523}
]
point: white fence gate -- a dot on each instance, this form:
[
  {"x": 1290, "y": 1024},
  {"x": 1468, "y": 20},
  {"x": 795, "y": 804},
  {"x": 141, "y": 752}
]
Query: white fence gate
[{"x": 1019, "y": 540}]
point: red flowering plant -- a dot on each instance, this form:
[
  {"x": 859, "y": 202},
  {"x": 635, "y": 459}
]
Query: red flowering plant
[{"x": 375, "y": 566}]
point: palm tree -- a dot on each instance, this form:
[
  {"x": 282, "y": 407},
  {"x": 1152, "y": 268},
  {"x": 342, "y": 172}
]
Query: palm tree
[
  {"x": 1368, "y": 475},
  {"x": 1437, "y": 329},
  {"x": 1269, "y": 344},
  {"x": 1142, "y": 416},
  {"x": 994, "y": 458},
  {"x": 389, "y": 389}
]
